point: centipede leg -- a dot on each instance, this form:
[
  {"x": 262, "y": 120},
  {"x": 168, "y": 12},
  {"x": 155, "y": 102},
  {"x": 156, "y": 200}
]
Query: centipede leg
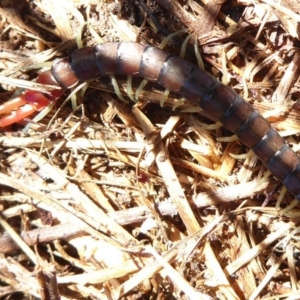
[
  {"x": 116, "y": 87},
  {"x": 164, "y": 97},
  {"x": 129, "y": 88},
  {"x": 140, "y": 88}
]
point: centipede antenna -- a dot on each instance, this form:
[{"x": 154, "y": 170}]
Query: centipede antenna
[
  {"x": 164, "y": 97},
  {"x": 169, "y": 37},
  {"x": 198, "y": 55},
  {"x": 116, "y": 87},
  {"x": 129, "y": 88},
  {"x": 178, "y": 103},
  {"x": 183, "y": 47},
  {"x": 140, "y": 88}
]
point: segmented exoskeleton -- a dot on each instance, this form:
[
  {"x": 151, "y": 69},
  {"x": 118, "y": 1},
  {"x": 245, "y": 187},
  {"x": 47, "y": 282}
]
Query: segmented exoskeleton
[{"x": 194, "y": 84}]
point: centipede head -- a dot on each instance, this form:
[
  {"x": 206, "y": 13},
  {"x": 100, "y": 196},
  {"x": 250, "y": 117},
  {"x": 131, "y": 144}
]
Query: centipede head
[{"x": 47, "y": 78}]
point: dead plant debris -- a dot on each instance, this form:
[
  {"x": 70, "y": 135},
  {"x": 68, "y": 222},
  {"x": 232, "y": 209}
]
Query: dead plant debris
[{"x": 106, "y": 199}]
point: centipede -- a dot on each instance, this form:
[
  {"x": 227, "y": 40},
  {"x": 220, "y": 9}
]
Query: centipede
[{"x": 178, "y": 75}]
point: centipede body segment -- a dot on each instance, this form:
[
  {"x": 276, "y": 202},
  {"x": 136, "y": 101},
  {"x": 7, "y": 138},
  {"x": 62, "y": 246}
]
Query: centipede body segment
[{"x": 194, "y": 84}]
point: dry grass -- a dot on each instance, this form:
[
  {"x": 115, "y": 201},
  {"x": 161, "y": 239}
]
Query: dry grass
[{"x": 136, "y": 201}]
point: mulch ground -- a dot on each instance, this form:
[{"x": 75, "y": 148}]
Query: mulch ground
[{"x": 137, "y": 193}]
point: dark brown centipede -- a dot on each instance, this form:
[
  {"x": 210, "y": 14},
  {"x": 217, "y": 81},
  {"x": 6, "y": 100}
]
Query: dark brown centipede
[{"x": 194, "y": 84}]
